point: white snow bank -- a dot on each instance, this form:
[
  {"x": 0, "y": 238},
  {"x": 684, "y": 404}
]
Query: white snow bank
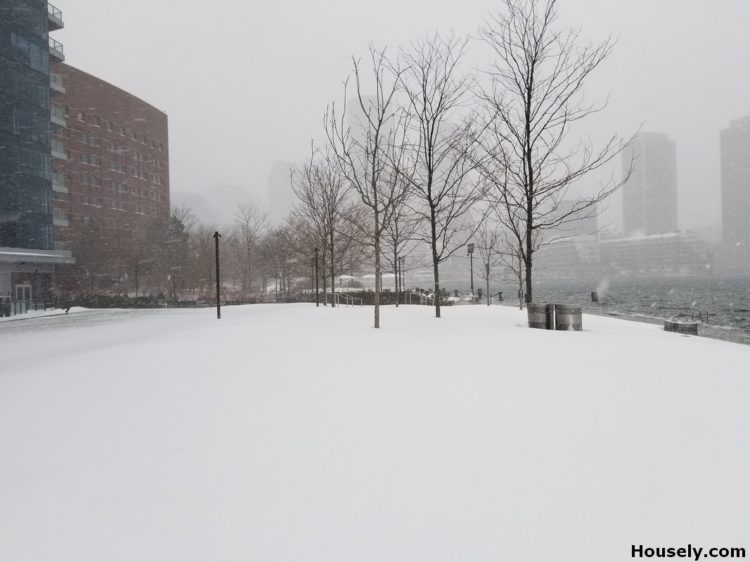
[
  {"x": 41, "y": 313},
  {"x": 289, "y": 433}
]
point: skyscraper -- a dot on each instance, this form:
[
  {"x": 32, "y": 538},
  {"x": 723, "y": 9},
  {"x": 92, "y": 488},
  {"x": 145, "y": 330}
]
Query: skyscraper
[
  {"x": 650, "y": 194},
  {"x": 27, "y": 255},
  {"x": 735, "y": 193}
]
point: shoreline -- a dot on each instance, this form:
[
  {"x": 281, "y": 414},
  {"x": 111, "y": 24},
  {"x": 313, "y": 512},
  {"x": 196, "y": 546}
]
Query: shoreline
[{"x": 716, "y": 332}]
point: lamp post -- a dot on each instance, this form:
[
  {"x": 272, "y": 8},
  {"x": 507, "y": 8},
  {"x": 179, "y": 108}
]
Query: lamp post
[
  {"x": 218, "y": 282},
  {"x": 317, "y": 277},
  {"x": 470, "y": 252}
]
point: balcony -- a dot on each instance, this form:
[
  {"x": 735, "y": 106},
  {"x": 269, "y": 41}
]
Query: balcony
[
  {"x": 54, "y": 18},
  {"x": 56, "y": 84},
  {"x": 57, "y": 116},
  {"x": 58, "y": 183},
  {"x": 60, "y": 217},
  {"x": 58, "y": 150},
  {"x": 56, "y": 51}
]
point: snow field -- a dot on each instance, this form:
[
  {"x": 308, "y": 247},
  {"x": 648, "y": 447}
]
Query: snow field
[{"x": 286, "y": 433}]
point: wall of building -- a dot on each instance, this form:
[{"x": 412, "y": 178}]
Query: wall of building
[
  {"x": 116, "y": 173},
  {"x": 25, "y": 181},
  {"x": 735, "y": 195},
  {"x": 650, "y": 194}
]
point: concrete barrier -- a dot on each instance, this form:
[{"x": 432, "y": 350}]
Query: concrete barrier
[{"x": 690, "y": 328}]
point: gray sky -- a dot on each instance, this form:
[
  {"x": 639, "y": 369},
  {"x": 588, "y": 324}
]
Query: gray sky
[{"x": 246, "y": 83}]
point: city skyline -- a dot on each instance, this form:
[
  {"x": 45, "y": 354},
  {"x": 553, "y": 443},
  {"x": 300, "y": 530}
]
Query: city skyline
[{"x": 269, "y": 106}]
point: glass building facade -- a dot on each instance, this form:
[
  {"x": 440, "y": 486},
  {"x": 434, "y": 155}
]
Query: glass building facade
[{"x": 25, "y": 171}]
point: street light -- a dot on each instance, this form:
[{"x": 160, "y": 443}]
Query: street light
[
  {"x": 317, "y": 297},
  {"x": 216, "y": 237},
  {"x": 470, "y": 252}
]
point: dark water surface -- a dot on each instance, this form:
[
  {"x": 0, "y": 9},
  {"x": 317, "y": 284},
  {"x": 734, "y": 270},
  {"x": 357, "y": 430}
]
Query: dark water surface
[{"x": 722, "y": 306}]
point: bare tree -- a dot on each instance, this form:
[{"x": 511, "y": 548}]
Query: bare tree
[
  {"x": 371, "y": 156},
  {"x": 511, "y": 258},
  {"x": 249, "y": 223},
  {"x": 535, "y": 98},
  {"x": 322, "y": 192},
  {"x": 443, "y": 155},
  {"x": 398, "y": 241},
  {"x": 488, "y": 239}
]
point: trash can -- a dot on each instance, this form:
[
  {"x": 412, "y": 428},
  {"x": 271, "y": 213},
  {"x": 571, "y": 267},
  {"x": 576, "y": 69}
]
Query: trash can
[
  {"x": 541, "y": 315},
  {"x": 568, "y": 318}
]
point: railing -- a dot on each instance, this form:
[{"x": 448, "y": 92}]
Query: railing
[
  {"x": 58, "y": 149},
  {"x": 58, "y": 113},
  {"x": 61, "y": 215},
  {"x": 57, "y": 47},
  {"x": 336, "y": 298},
  {"x": 58, "y": 182},
  {"x": 349, "y": 300},
  {"x": 54, "y": 11},
  {"x": 56, "y": 81}
]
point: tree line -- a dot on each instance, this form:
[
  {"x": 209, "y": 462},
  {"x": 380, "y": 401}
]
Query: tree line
[{"x": 417, "y": 154}]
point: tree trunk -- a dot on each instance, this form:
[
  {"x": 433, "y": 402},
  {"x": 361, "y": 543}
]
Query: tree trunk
[
  {"x": 325, "y": 277},
  {"x": 527, "y": 265},
  {"x": 488, "y": 283},
  {"x": 397, "y": 273},
  {"x": 333, "y": 276},
  {"x": 378, "y": 285},
  {"x": 435, "y": 261},
  {"x": 378, "y": 279}
]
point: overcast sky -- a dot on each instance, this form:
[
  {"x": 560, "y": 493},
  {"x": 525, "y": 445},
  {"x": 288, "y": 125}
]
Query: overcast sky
[{"x": 246, "y": 82}]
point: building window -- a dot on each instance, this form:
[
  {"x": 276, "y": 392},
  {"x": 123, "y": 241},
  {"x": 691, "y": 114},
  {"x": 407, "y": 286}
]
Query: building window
[{"x": 81, "y": 116}]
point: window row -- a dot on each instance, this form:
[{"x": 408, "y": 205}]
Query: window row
[
  {"x": 113, "y": 127},
  {"x": 136, "y": 172},
  {"x": 121, "y": 187}
]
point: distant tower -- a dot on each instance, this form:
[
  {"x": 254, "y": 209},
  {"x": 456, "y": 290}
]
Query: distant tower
[
  {"x": 735, "y": 192},
  {"x": 280, "y": 194},
  {"x": 650, "y": 194}
]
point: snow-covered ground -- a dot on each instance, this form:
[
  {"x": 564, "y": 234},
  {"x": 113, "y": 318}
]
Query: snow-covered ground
[{"x": 286, "y": 433}]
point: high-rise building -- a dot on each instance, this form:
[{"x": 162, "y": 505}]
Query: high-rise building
[
  {"x": 650, "y": 194},
  {"x": 27, "y": 253},
  {"x": 735, "y": 194}
]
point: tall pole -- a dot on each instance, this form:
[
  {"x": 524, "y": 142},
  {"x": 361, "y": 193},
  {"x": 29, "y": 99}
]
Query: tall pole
[
  {"x": 488, "y": 280},
  {"x": 218, "y": 282},
  {"x": 136, "y": 280},
  {"x": 471, "y": 267},
  {"x": 470, "y": 251},
  {"x": 317, "y": 278},
  {"x": 397, "y": 279}
]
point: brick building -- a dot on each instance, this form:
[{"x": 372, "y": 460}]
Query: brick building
[{"x": 112, "y": 182}]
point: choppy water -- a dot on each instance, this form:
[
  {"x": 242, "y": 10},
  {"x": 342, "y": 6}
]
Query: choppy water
[{"x": 721, "y": 305}]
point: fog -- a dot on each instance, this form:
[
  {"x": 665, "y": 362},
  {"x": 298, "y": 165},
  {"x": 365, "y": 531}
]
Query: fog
[{"x": 246, "y": 83}]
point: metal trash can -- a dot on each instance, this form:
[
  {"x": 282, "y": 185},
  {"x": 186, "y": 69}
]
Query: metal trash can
[
  {"x": 568, "y": 318},
  {"x": 541, "y": 315}
]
